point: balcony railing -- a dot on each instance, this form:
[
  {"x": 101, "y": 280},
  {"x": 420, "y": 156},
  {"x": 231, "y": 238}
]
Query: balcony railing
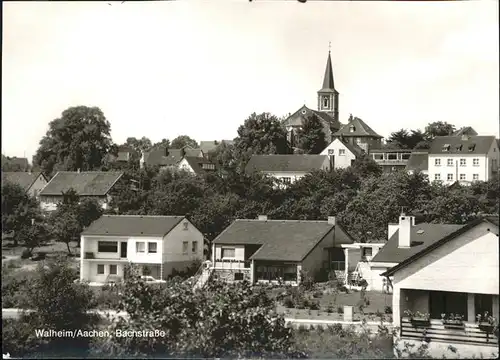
[
  {"x": 232, "y": 264},
  {"x": 436, "y": 330}
]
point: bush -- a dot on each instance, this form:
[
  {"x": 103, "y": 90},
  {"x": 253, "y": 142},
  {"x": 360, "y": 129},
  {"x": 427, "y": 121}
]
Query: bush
[
  {"x": 314, "y": 305},
  {"x": 388, "y": 309},
  {"x": 26, "y": 254},
  {"x": 317, "y": 294},
  {"x": 288, "y": 302},
  {"x": 340, "y": 310},
  {"x": 329, "y": 309}
]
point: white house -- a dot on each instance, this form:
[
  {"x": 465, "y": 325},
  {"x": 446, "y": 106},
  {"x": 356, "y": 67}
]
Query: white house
[
  {"x": 358, "y": 265},
  {"x": 196, "y": 165},
  {"x": 450, "y": 272},
  {"x": 166, "y": 158},
  {"x": 87, "y": 184},
  {"x": 158, "y": 243},
  {"x": 287, "y": 168},
  {"x": 463, "y": 158},
  {"x": 342, "y": 153}
]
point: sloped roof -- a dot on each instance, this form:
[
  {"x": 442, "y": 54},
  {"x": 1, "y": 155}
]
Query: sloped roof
[
  {"x": 297, "y": 119},
  {"x": 354, "y": 148},
  {"x": 23, "y": 179},
  {"x": 281, "y": 240},
  {"x": 360, "y": 129},
  {"x": 207, "y": 146},
  {"x": 422, "y": 236},
  {"x": 159, "y": 157},
  {"x": 297, "y": 163},
  {"x": 418, "y": 161},
  {"x": 197, "y": 163},
  {"x": 133, "y": 225},
  {"x": 21, "y": 162},
  {"x": 459, "y": 145},
  {"x": 328, "y": 84},
  {"x": 89, "y": 183},
  {"x": 468, "y": 130},
  {"x": 437, "y": 242}
]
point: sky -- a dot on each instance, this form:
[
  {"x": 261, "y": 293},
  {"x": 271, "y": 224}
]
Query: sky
[{"x": 200, "y": 68}]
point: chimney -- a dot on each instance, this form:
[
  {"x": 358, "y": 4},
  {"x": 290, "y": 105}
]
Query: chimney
[
  {"x": 262, "y": 217},
  {"x": 405, "y": 225},
  {"x": 331, "y": 220}
]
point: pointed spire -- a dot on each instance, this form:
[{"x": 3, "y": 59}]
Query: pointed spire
[{"x": 328, "y": 79}]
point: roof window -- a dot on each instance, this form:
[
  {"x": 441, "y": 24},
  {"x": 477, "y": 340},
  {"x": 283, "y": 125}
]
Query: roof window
[
  {"x": 446, "y": 147},
  {"x": 472, "y": 147},
  {"x": 459, "y": 147}
]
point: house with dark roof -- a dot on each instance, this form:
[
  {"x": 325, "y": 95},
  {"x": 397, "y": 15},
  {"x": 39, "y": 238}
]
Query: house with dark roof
[
  {"x": 87, "y": 184},
  {"x": 32, "y": 183},
  {"x": 466, "y": 130},
  {"x": 208, "y": 146},
  {"x": 166, "y": 158},
  {"x": 356, "y": 131},
  {"x": 196, "y": 165},
  {"x": 272, "y": 251},
  {"x": 463, "y": 158},
  {"x": 342, "y": 153},
  {"x": 418, "y": 162},
  {"x": 287, "y": 168},
  {"x": 327, "y": 111},
  {"x": 445, "y": 279},
  {"x": 124, "y": 155},
  {"x": 157, "y": 244},
  {"x": 14, "y": 163}
]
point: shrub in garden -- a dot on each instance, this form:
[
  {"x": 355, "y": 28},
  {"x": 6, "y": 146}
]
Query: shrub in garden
[
  {"x": 26, "y": 254},
  {"x": 388, "y": 309},
  {"x": 329, "y": 309},
  {"x": 340, "y": 309},
  {"x": 288, "y": 302},
  {"x": 314, "y": 305}
]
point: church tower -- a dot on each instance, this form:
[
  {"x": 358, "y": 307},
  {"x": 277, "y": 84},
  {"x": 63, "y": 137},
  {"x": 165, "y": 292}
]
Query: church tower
[{"x": 328, "y": 97}]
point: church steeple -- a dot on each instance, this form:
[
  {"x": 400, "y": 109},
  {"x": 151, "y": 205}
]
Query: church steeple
[{"x": 328, "y": 96}]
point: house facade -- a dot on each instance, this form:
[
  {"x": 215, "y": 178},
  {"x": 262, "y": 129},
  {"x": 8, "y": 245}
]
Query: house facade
[
  {"x": 457, "y": 274},
  {"x": 287, "y": 168},
  {"x": 391, "y": 159},
  {"x": 33, "y": 183},
  {"x": 358, "y": 266},
  {"x": 166, "y": 158},
  {"x": 196, "y": 165},
  {"x": 90, "y": 184},
  {"x": 463, "y": 158},
  {"x": 274, "y": 251},
  {"x": 158, "y": 244},
  {"x": 342, "y": 153},
  {"x": 356, "y": 131}
]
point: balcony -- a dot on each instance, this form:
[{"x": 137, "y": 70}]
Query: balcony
[
  {"x": 232, "y": 264},
  {"x": 436, "y": 330}
]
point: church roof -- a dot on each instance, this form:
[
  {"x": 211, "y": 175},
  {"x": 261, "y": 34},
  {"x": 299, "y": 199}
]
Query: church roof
[
  {"x": 359, "y": 128},
  {"x": 328, "y": 84},
  {"x": 298, "y": 117}
]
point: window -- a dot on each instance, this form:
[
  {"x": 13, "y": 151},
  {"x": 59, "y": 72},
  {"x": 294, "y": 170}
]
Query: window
[
  {"x": 437, "y": 176},
  {"x": 287, "y": 180},
  {"x": 367, "y": 251},
  {"x": 185, "y": 224},
  {"x": 100, "y": 269},
  {"x": 228, "y": 252},
  {"x": 475, "y": 162},
  {"x": 437, "y": 162},
  {"x": 331, "y": 152},
  {"x": 140, "y": 247},
  {"x": 446, "y": 147},
  {"x": 107, "y": 246},
  {"x": 441, "y": 302},
  {"x": 194, "y": 247},
  {"x": 462, "y": 177},
  {"x": 449, "y": 162},
  {"x": 326, "y": 101},
  {"x": 152, "y": 247},
  {"x": 459, "y": 147},
  {"x": 463, "y": 162},
  {"x": 112, "y": 269},
  {"x": 392, "y": 156},
  {"x": 405, "y": 156},
  {"x": 378, "y": 157},
  {"x": 475, "y": 176},
  {"x": 185, "y": 247},
  {"x": 483, "y": 303},
  {"x": 449, "y": 177},
  {"x": 238, "y": 276},
  {"x": 341, "y": 152},
  {"x": 352, "y": 128},
  {"x": 472, "y": 147}
]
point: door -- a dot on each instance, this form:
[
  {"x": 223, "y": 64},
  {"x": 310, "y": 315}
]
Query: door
[{"x": 123, "y": 249}]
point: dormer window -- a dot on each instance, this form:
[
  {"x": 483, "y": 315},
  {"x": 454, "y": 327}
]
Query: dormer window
[
  {"x": 472, "y": 147},
  {"x": 446, "y": 147},
  {"x": 326, "y": 102},
  {"x": 208, "y": 166},
  {"x": 459, "y": 147},
  {"x": 352, "y": 128}
]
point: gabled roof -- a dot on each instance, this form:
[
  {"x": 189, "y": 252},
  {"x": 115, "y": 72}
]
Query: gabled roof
[
  {"x": 292, "y": 163},
  {"x": 360, "y": 129},
  {"x": 436, "y": 243},
  {"x": 418, "y": 161},
  {"x": 354, "y": 148},
  {"x": 23, "y": 179},
  {"x": 283, "y": 240},
  {"x": 89, "y": 183},
  {"x": 467, "y": 130},
  {"x": 422, "y": 236},
  {"x": 328, "y": 84},
  {"x": 207, "y": 146},
  {"x": 297, "y": 119},
  {"x": 198, "y": 164},
  {"x": 133, "y": 225},
  {"x": 459, "y": 145},
  {"x": 159, "y": 157}
]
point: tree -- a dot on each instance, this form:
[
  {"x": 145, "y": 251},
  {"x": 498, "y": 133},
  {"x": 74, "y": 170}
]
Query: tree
[
  {"x": 220, "y": 320},
  {"x": 224, "y": 156},
  {"x": 261, "y": 134},
  {"x": 402, "y": 139},
  {"x": 311, "y": 137},
  {"x": 183, "y": 140},
  {"x": 14, "y": 164},
  {"x": 438, "y": 128},
  {"x": 79, "y": 139},
  {"x": 455, "y": 205},
  {"x": 365, "y": 166},
  {"x": 164, "y": 143},
  {"x": 18, "y": 209},
  {"x": 33, "y": 236},
  {"x": 142, "y": 144}
]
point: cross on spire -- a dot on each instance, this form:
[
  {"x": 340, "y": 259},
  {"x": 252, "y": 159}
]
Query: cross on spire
[{"x": 329, "y": 46}]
